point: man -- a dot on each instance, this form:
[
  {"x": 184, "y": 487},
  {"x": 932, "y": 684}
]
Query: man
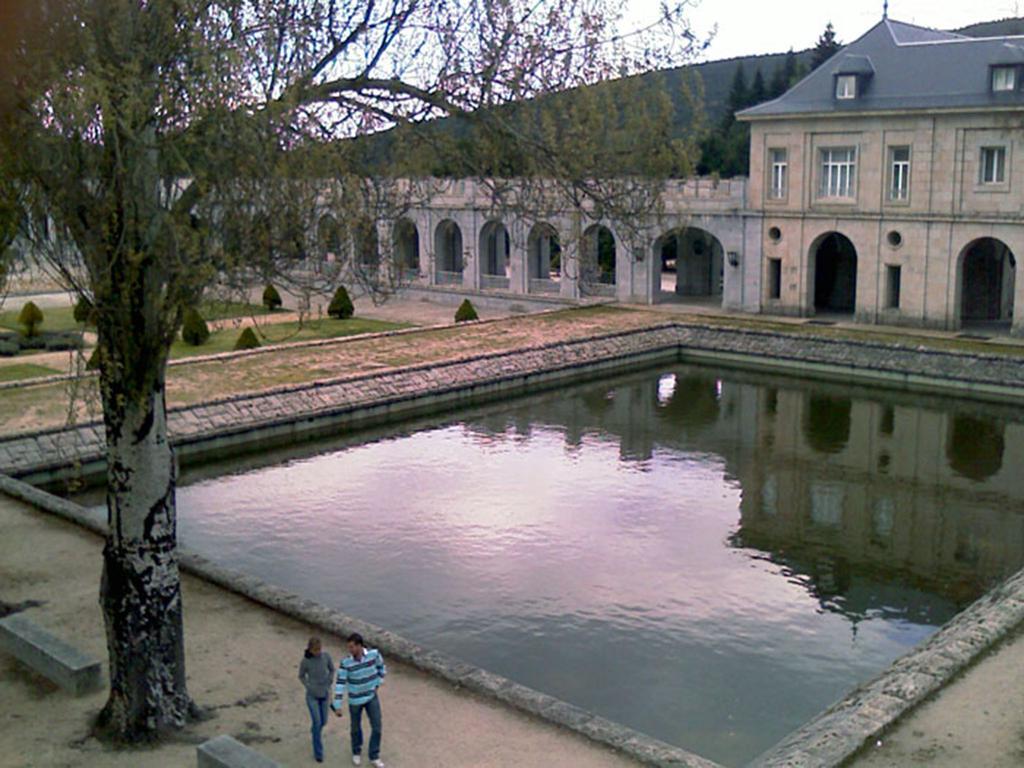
[
  {"x": 316, "y": 671},
  {"x": 362, "y": 673}
]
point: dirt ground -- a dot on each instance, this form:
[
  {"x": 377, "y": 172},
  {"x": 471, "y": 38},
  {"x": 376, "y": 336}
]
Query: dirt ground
[
  {"x": 976, "y": 722},
  {"x": 242, "y": 663}
]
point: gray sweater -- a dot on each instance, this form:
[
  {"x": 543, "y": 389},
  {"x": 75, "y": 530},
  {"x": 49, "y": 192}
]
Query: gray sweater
[{"x": 317, "y": 674}]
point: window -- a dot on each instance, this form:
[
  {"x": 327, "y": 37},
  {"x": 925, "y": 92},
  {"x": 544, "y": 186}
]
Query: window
[
  {"x": 892, "y": 286},
  {"x": 993, "y": 165},
  {"x": 887, "y": 424},
  {"x": 774, "y": 278},
  {"x": 838, "y": 168},
  {"x": 1004, "y": 78},
  {"x": 779, "y": 174},
  {"x": 899, "y": 173},
  {"x": 846, "y": 86}
]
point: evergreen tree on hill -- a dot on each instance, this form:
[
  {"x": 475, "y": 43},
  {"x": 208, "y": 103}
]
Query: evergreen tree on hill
[
  {"x": 826, "y": 47},
  {"x": 758, "y": 91}
]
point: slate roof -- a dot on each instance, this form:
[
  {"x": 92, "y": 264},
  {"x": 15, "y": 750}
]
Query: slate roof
[{"x": 908, "y": 68}]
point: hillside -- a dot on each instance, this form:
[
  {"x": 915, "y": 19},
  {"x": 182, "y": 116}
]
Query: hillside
[{"x": 724, "y": 149}]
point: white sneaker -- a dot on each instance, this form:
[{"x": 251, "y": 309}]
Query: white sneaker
[
  {"x": 377, "y": 763},
  {"x": 357, "y": 760}
]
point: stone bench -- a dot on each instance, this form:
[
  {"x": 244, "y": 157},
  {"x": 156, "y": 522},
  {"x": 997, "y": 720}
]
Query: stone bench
[
  {"x": 50, "y": 656},
  {"x": 225, "y": 752}
]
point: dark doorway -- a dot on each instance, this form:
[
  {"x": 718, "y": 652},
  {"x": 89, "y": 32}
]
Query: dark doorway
[
  {"x": 987, "y": 283},
  {"x": 835, "y": 274}
]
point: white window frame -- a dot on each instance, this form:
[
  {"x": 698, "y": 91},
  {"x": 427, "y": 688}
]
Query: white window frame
[
  {"x": 899, "y": 175},
  {"x": 1004, "y": 79},
  {"x": 779, "y": 179},
  {"x": 992, "y": 165},
  {"x": 846, "y": 87},
  {"x": 838, "y": 169}
]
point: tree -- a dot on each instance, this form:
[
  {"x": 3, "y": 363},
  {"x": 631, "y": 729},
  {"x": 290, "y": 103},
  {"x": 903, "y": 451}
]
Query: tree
[
  {"x": 341, "y": 304},
  {"x": 826, "y": 47},
  {"x": 738, "y": 95},
  {"x": 30, "y": 318},
  {"x": 172, "y": 145},
  {"x": 758, "y": 91}
]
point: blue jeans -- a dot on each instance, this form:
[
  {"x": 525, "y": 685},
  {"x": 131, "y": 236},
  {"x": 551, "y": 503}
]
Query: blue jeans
[
  {"x": 372, "y": 708},
  {"x": 318, "y": 716}
]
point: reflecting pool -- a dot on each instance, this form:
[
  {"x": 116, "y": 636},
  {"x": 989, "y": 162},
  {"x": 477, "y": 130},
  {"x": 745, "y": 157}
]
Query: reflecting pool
[{"x": 707, "y": 556}]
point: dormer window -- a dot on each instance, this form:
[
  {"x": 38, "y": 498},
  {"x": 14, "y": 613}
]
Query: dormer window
[
  {"x": 846, "y": 86},
  {"x": 1004, "y": 78}
]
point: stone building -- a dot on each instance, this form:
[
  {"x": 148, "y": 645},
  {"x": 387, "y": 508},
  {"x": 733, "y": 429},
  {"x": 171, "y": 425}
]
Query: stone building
[{"x": 889, "y": 183}]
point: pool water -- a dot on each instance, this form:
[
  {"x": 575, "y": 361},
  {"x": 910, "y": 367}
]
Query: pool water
[{"x": 707, "y": 556}]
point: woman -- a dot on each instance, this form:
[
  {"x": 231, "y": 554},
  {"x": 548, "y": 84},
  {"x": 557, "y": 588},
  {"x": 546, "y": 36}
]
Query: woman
[{"x": 316, "y": 671}]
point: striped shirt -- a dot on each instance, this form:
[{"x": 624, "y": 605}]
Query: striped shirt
[{"x": 361, "y": 678}]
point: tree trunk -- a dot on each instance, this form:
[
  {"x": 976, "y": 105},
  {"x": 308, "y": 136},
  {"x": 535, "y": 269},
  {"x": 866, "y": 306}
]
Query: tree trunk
[{"x": 141, "y": 587}]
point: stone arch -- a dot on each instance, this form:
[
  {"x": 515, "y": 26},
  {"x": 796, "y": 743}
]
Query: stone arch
[
  {"x": 697, "y": 258},
  {"x": 543, "y": 253},
  {"x": 366, "y": 244},
  {"x": 599, "y": 260},
  {"x": 448, "y": 252},
  {"x": 405, "y": 244},
  {"x": 328, "y": 236},
  {"x": 833, "y": 278},
  {"x": 986, "y": 277},
  {"x": 495, "y": 246}
]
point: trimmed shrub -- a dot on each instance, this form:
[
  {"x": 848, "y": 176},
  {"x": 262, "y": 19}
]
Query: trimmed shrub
[
  {"x": 466, "y": 312},
  {"x": 247, "y": 340},
  {"x": 271, "y": 298},
  {"x": 8, "y": 348},
  {"x": 194, "y": 330},
  {"x": 341, "y": 305},
  {"x": 84, "y": 312},
  {"x": 63, "y": 342},
  {"x": 30, "y": 318},
  {"x": 93, "y": 363}
]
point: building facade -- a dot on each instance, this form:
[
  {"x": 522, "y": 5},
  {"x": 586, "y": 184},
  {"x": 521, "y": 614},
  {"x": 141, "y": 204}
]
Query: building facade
[{"x": 889, "y": 183}]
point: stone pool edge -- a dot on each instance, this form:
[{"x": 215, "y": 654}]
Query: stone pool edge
[
  {"x": 843, "y": 730},
  {"x": 633, "y": 743},
  {"x": 242, "y": 422}
]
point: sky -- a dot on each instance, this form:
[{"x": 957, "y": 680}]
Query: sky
[{"x": 746, "y": 27}]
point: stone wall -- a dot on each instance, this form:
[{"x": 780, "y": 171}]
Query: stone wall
[{"x": 287, "y": 414}]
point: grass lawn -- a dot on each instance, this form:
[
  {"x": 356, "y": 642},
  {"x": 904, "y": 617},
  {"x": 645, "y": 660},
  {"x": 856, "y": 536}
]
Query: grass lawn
[
  {"x": 54, "y": 318},
  {"x": 24, "y": 371},
  {"x": 280, "y": 333},
  {"x": 62, "y": 318},
  {"x": 222, "y": 310}
]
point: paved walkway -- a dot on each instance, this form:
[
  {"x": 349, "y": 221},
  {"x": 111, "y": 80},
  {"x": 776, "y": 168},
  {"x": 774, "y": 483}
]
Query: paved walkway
[
  {"x": 976, "y": 721},
  {"x": 242, "y": 661}
]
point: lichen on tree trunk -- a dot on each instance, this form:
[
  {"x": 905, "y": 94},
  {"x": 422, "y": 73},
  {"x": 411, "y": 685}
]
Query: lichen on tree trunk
[{"x": 140, "y": 591}]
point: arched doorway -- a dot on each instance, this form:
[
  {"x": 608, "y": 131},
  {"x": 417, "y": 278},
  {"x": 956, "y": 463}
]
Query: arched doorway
[
  {"x": 987, "y": 277},
  {"x": 692, "y": 263},
  {"x": 494, "y": 255},
  {"x": 544, "y": 259},
  {"x": 448, "y": 253},
  {"x": 835, "y": 274},
  {"x": 599, "y": 262},
  {"x": 328, "y": 235},
  {"x": 367, "y": 247},
  {"x": 406, "y": 247}
]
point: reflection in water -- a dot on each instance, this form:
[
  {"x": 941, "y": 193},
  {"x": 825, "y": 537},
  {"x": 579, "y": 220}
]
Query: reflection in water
[
  {"x": 704, "y": 558},
  {"x": 828, "y": 423},
  {"x": 975, "y": 447}
]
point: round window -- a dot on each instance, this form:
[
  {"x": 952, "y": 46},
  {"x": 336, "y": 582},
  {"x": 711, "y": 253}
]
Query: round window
[
  {"x": 775, "y": 234},
  {"x": 895, "y": 239}
]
